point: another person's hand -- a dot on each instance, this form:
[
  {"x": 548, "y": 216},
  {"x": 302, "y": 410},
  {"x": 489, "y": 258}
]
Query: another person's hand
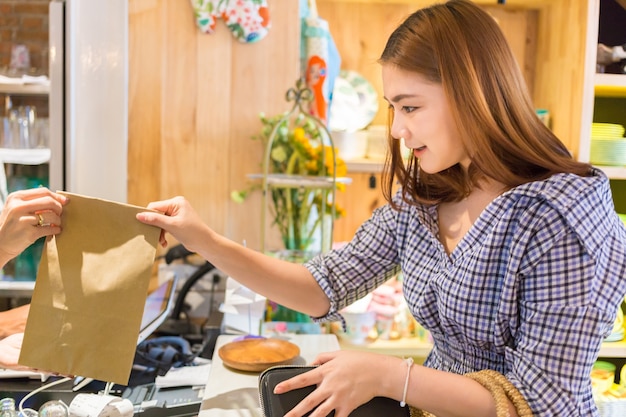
[
  {"x": 28, "y": 215},
  {"x": 13, "y": 320},
  {"x": 10, "y": 352},
  {"x": 177, "y": 217}
]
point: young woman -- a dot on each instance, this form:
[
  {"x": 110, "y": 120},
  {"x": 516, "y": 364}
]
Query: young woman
[
  {"x": 27, "y": 215},
  {"x": 511, "y": 252}
]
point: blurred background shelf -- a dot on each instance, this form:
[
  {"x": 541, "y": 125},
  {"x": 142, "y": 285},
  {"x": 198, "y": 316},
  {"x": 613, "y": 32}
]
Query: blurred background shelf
[
  {"x": 296, "y": 181},
  {"x": 25, "y": 89},
  {"x": 415, "y": 347},
  {"x": 405, "y": 347},
  {"x": 613, "y": 349},
  {"x": 365, "y": 165},
  {"x": 614, "y": 172},
  {"x": 610, "y": 85},
  {"x": 25, "y": 156},
  {"x": 17, "y": 289}
]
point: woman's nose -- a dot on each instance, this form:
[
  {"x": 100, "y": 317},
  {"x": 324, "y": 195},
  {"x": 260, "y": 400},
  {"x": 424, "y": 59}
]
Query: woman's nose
[{"x": 397, "y": 129}]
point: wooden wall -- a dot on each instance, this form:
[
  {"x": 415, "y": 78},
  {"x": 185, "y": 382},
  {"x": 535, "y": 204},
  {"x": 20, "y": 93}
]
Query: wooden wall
[
  {"x": 194, "y": 101},
  {"x": 195, "y": 98}
]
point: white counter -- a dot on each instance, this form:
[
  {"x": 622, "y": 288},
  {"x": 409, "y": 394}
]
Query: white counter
[{"x": 233, "y": 393}]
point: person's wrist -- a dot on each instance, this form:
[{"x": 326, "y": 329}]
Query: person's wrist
[
  {"x": 5, "y": 257},
  {"x": 405, "y": 387},
  {"x": 396, "y": 371}
]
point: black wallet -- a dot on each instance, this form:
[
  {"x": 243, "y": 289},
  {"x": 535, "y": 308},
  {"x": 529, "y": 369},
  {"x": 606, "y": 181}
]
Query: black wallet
[{"x": 276, "y": 405}]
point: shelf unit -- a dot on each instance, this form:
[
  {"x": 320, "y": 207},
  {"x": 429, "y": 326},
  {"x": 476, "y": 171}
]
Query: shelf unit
[
  {"x": 25, "y": 89},
  {"x": 35, "y": 156},
  {"x": 613, "y": 87},
  {"x": 18, "y": 288},
  {"x": 420, "y": 349}
]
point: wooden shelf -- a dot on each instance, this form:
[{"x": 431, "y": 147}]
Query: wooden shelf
[{"x": 373, "y": 166}]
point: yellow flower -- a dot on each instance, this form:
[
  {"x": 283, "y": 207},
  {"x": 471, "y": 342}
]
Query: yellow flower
[{"x": 298, "y": 148}]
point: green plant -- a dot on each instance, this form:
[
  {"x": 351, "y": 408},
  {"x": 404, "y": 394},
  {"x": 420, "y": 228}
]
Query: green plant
[{"x": 298, "y": 149}]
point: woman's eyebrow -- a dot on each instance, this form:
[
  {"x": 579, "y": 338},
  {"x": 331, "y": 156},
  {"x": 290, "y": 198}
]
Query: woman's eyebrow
[{"x": 399, "y": 97}]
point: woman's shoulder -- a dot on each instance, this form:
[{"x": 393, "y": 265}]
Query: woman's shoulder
[
  {"x": 566, "y": 192},
  {"x": 584, "y": 203}
]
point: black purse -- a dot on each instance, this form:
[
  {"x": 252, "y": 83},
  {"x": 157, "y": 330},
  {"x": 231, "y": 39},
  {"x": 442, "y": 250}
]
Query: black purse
[{"x": 276, "y": 405}]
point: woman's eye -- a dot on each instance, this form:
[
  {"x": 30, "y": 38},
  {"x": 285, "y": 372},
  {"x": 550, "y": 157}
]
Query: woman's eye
[{"x": 408, "y": 109}]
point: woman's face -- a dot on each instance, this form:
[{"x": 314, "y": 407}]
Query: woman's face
[{"x": 422, "y": 117}]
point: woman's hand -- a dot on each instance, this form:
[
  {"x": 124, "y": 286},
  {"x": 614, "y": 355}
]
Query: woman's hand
[
  {"x": 177, "y": 217},
  {"x": 28, "y": 215},
  {"x": 344, "y": 379}
]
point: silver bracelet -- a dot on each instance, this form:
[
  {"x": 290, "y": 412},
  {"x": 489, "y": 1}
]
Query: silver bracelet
[{"x": 409, "y": 363}]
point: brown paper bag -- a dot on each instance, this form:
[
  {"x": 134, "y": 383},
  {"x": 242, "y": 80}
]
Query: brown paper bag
[{"x": 90, "y": 292}]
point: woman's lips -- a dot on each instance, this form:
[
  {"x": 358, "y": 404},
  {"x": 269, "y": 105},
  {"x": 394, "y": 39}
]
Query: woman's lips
[{"x": 419, "y": 151}]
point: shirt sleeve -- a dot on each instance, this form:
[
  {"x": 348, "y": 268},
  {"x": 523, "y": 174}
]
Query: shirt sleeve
[
  {"x": 366, "y": 262},
  {"x": 568, "y": 305}
]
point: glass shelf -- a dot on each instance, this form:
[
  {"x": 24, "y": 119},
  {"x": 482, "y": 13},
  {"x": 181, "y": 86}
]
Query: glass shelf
[
  {"x": 16, "y": 288},
  {"x": 25, "y": 89},
  {"x": 298, "y": 181},
  {"x": 35, "y": 156}
]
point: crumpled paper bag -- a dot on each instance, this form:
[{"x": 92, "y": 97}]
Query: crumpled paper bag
[{"x": 90, "y": 292}]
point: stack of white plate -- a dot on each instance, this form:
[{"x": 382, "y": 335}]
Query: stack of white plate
[
  {"x": 608, "y": 130},
  {"x": 608, "y": 144}
]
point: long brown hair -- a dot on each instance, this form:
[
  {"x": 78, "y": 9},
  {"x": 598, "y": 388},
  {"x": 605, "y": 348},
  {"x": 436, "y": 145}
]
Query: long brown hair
[{"x": 461, "y": 47}]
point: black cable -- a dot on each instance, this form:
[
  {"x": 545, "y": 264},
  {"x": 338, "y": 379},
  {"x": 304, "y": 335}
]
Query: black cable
[{"x": 182, "y": 294}]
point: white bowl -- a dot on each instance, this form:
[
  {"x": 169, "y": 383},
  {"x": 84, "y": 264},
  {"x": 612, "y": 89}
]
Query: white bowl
[{"x": 350, "y": 145}]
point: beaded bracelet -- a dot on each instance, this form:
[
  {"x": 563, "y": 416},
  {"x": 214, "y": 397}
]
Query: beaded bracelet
[{"x": 409, "y": 363}]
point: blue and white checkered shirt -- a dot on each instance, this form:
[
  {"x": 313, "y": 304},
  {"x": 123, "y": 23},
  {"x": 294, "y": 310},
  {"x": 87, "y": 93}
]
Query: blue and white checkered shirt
[{"x": 530, "y": 291}]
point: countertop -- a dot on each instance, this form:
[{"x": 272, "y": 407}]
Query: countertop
[{"x": 229, "y": 392}]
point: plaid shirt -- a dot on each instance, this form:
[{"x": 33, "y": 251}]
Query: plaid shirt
[{"x": 530, "y": 291}]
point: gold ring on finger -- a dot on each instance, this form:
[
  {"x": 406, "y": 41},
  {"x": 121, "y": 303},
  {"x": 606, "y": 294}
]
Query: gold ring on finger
[{"x": 40, "y": 221}]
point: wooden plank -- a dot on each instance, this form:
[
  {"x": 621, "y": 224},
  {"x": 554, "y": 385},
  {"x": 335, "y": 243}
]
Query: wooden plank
[
  {"x": 179, "y": 106},
  {"x": 144, "y": 100},
  {"x": 559, "y": 74},
  {"x": 262, "y": 74},
  {"x": 358, "y": 209},
  {"x": 208, "y": 188}
]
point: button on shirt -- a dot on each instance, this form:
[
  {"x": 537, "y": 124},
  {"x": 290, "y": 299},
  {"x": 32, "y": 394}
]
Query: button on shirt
[{"x": 530, "y": 291}]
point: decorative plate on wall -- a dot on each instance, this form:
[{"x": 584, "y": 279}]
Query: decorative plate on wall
[{"x": 354, "y": 102}]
